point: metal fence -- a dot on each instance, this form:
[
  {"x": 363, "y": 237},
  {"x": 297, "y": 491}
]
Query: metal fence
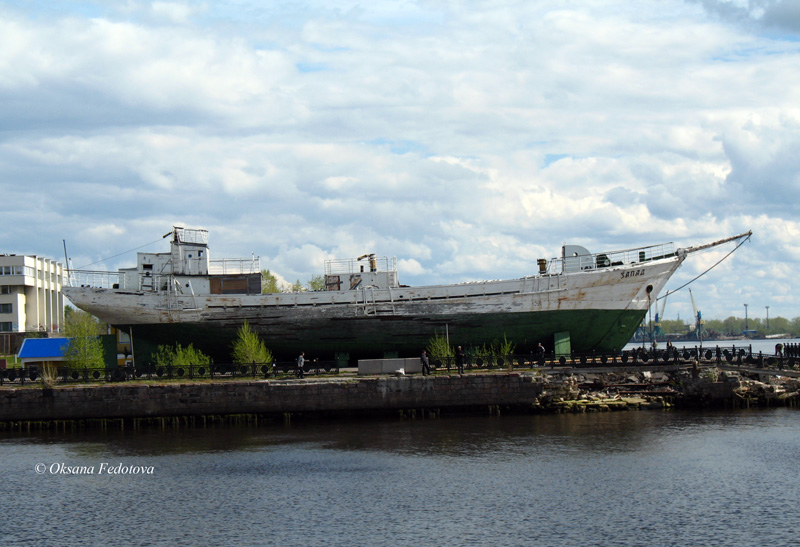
[
  {"x": 151, "y": 372},
  {"x": 707, "y": 355},
  {"x": 731, "y": 356}
]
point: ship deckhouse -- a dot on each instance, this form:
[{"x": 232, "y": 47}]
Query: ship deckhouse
[{"x": 187, "y": 266}]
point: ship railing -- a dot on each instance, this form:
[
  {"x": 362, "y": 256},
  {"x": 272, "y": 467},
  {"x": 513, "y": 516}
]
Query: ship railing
[
  {"x": 191, "y": 235},
  {"x": 234, "y": 266},
  {"x": 612, "y": 258},
  {"x": 92, "y": 278},
  {"x": 355, "y": 265}
]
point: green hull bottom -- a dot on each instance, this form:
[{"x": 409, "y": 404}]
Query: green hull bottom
[{"x": 601, "y": 331}]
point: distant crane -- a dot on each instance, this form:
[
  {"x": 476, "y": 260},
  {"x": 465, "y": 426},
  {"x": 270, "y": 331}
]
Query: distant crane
[{"x": 699, "y": 329}]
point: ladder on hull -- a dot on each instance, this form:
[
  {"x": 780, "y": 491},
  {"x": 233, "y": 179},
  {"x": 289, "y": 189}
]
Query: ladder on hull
[{"x": 369, "y": 306}]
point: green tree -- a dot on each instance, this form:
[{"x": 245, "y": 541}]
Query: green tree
[
  {"x": 795, "y": 328},
  {"x": 85, "y": 349},
  {"x": 779, "y": 325},
  {"x": 438, "y": 348},
  {"x": 249, "y": 348},
  {"x": 67, "y": 311},
  {"x": 673, "y": 326},
  {"x": 496, "y": 350},
  {"x": 181, "y": 357},
  {"x": 732, "y": 325},
  {"x": 715, "y": 325},
  {"x": 316, "y": 283},
  {"x": 504, "y": 349},
  {"x": 269, "y": 283}
]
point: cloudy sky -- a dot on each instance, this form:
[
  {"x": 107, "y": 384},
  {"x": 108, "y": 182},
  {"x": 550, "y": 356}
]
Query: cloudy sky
[{"x": 465, "y": 138}]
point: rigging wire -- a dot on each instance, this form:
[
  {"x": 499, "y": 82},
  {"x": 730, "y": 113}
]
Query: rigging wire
[
  {"x": 742, "y": 242},
  {"x": 120, "y": 254}
]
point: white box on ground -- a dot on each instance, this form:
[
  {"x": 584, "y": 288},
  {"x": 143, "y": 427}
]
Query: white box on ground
[{"x": 389, "y": 366}]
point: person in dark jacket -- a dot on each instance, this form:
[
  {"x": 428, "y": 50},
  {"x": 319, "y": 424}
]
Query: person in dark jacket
[
  {"x": 426, "y": 363},
  {"x": 460, "y": 360}
]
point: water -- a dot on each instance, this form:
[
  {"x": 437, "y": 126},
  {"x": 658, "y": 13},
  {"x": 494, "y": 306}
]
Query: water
[
  {"x": 623, "y": 478},
  {"x": 767, "y": 347}
]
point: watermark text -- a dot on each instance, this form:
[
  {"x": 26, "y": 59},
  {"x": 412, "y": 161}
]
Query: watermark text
[{"x": 102, "y": 468}]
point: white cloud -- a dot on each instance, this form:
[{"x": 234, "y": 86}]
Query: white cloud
[
  {"x": 466, "y": 139},
  {"x": 410, "y": 267},
  {"x": 172, "y": 11}
]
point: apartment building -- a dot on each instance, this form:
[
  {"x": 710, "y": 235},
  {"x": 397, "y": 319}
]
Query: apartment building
[{"x": 30, "y": 294}]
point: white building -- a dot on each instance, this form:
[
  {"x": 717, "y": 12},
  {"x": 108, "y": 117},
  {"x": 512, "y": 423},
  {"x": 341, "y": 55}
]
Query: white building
[{"x": 30, "y": 294}]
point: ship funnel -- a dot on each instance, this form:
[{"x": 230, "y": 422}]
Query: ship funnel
[
  {"x": 542, "y": 262},
  {"x": 373, "y": 262}
]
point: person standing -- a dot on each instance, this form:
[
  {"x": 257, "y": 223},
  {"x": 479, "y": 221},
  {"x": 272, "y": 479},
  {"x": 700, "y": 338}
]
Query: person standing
[
  {"x": 426, "y": 364},
  {"x": 301, "y": 363},
  {"x": 460, "y": 360},
  {"x": 540, "y": 354}
]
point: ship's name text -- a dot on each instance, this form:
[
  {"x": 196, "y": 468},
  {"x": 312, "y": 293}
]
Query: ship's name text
[{"x": 632, "y": 273}]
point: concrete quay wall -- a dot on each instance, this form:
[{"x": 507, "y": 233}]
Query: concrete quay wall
[{"x": 268, "y": 397}]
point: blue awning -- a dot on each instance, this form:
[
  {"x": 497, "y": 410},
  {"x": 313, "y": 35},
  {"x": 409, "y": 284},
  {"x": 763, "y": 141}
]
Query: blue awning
[{"x": 43, "y": 348}]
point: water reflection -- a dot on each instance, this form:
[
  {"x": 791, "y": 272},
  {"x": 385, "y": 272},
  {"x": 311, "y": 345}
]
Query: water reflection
[
  {"x": 627, "y": 478},
  {"x": 461, "y": 437}
]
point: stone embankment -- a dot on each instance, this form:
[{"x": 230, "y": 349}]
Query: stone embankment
[
  {"x": 269, "y": 399},
  {"x": 539, "y": 391},
  {"x": 671, "y": 386}
]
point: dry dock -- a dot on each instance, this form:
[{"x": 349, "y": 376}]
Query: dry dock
[
  {"x": 133, "y": 404},
  {"x": 373, "y": 396}
]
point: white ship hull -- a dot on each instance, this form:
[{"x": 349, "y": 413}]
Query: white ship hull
[{"x": 596, "y": 303}]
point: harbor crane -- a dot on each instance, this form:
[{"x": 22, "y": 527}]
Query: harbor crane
[{"x": 699, "y": 329}]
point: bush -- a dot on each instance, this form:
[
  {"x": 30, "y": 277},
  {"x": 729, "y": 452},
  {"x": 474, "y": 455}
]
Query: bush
[
  {"x": 49, "y": 375},
  {"x": 180, "y": 357},
  {"x": 438, "y": 349},
  {"x": 496, "y": 350}
]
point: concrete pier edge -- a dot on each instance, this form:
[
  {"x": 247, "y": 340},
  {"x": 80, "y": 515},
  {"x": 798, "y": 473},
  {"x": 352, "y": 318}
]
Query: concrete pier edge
[
  {"x": 267, "y": 398},
  {"x": 175, "y": 404}
]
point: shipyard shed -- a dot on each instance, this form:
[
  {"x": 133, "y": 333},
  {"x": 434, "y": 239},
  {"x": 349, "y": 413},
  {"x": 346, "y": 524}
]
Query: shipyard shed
[{"x": 43, "y": 351}]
